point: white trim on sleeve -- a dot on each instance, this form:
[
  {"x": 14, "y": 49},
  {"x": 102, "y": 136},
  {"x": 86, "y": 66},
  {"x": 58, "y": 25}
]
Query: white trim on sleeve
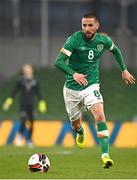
[
  {"x": 112, "y": 46},
  {"x": 67, "y": 52}
]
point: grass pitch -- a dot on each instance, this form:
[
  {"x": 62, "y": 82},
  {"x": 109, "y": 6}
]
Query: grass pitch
[{"x": 68, "y": 163}]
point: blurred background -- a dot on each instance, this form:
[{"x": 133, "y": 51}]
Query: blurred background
[{"x": 34, "y": 31}]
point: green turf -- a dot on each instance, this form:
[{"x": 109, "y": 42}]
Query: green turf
[{"x": 68, "y": 163}]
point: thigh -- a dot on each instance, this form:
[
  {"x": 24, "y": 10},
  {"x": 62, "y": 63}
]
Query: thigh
[
  {"x": 23, "y": 115},
  {"x": 73, "y": 103},
  {"x": 30, "y": 114},
  {"x": 98, "y": 111},
  {"x": 92, "y": 95}
]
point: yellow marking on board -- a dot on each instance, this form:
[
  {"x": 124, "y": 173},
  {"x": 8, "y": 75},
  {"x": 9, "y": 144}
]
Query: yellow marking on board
[
  {"x": 46, "y": 132},
  {"x": 68, "y": 140},
  {"x": 5, "y": 129},
  {"x": 127, "y": 136}
]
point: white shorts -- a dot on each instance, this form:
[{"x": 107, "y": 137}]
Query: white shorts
[{"x": 76, "y": 101}]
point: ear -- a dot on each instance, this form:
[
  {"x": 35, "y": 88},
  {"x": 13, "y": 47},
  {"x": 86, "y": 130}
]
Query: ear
[{"x": 97, "y": 25}]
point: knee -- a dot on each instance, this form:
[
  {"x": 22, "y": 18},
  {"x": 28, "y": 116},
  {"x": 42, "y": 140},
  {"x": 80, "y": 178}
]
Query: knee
[{"x": 99, "y": 117}]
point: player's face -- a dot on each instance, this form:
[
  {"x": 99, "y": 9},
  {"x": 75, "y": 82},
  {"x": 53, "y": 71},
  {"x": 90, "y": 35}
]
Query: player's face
[
  {"x": 27, "y": 71},
  {"x": 89, "y": 26}
]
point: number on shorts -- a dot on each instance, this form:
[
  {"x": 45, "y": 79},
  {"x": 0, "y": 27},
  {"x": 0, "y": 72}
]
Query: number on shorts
[{"x": 96, "y": 93}]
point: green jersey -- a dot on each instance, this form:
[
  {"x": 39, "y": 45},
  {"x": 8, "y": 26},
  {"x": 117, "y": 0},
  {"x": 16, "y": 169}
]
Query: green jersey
[{"x": 84, "y": 56}]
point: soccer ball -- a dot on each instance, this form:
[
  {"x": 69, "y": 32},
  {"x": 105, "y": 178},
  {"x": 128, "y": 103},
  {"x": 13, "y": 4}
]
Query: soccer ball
[{"x": 38, "y": 162}]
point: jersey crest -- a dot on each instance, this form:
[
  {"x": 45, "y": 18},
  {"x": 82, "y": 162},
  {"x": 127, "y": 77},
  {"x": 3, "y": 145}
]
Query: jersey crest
[{"x": 100, "y": 47}]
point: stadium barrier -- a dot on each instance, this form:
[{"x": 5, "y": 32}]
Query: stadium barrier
[{"x": 50, "y": 133}]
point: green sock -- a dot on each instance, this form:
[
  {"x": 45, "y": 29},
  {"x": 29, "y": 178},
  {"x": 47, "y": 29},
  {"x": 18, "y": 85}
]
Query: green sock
[
  {"x": 102, "y": 133},
  {"x": 80, "y": 131}
]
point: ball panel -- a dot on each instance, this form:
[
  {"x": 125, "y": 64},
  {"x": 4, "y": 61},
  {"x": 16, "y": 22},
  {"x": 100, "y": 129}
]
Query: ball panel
[{"x": 38, "y": 162}]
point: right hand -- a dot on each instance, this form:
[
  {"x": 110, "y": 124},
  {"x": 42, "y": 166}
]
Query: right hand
[
  {"x": 80, "y": 79},
  {"x": 42, "y": 106},
  {"x": 127, "y": 77},
  {"x": 8, "y": 102}
]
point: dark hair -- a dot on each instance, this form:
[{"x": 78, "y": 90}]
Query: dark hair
[{"x": 90, "y": 15}]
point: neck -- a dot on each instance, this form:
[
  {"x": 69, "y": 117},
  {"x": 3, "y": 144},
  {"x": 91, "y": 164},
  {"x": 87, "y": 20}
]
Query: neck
[{"x": 93, "y": 37}]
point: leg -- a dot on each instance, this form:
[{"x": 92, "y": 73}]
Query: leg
[
  {"x": 23, "y": 120},
  {"x": 21, "y": 128},
  {"x": 30, "y": 129},
  {"x": 74, "y": 108},
  {"x": 31, "y": 121},
  {"x": 102, "y": 130},
  {"x": 79, "y": 128},
  {"x": 102, "y": 133},
  {"x": 94, "y": 102},
  {"x": 76, "y": 125}
]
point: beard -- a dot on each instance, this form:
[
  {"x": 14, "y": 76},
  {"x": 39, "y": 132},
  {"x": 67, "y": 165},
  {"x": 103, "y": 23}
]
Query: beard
[{"x": 89, "y": 35}]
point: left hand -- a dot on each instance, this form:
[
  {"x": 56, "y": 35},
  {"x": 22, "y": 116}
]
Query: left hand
[
  {"x": 42, "y": 106},
  {"x": 127, "y": 77},
  {"x": 80, "y": 79}
]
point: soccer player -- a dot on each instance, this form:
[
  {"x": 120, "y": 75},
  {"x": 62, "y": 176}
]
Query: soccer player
[
  {"x": 79, "y": 59},
  {"x": 28, "y": 87}
]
